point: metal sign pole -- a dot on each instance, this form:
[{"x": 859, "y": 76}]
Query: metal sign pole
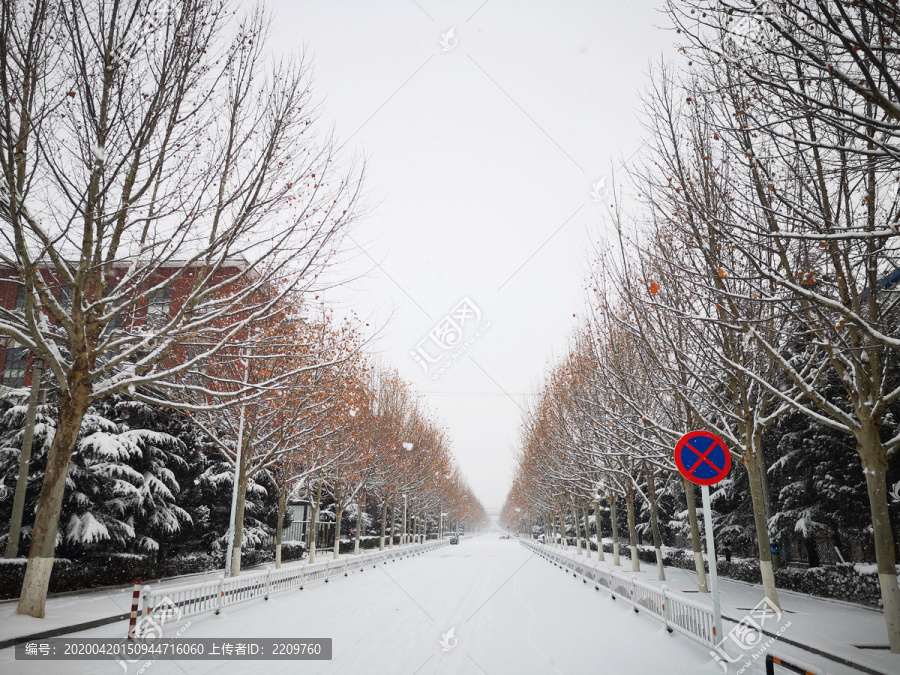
[{"x": 713, "y": 576}]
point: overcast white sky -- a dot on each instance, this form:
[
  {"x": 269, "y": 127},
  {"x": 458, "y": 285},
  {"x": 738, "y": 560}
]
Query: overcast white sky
[{"x": 481, "y": 156}]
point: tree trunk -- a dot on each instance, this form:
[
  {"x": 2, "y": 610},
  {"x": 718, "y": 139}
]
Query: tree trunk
[
  {"x": 875, "y": 465},
  {"x": 654, "y": 524},
  {"x": 565, "y": 531},
  {"x": 46, "y": 520},
  {"x": 615, "y": 529},
  {"x": 393, "y": 521},
  {"x": 812, "y": 552},
  {"x": 384, "y": 508},
  {"x": 767, "y": 500},
  {"x": 403, "y": 533},
  {"x": 597, "y": 520},
  {"x": 360, "y": 504},
  {"x": 751, "y": 463},
  {"x": 279, "y": 528},
  {"x": 691, "y": 498},
  {"x": 338, "y": 512},
  {"x": 239, "y": 521},
  {"x": 632, "y": 531},
  {"x": 18, "y": 508},
  {"x": 314, "y": 524},
  {"x": 577, "y": 529},
  {"x": 587, "y": 531}
]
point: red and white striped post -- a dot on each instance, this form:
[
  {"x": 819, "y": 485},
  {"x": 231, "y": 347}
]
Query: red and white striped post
[{"x": 135, "y": 601}]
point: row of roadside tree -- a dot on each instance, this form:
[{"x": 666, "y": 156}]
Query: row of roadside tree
[
  {"x": 749, "y": 288},
  {"x": 169, "y": 210}
]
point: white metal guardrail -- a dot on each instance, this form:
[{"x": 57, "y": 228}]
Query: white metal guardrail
[
  {"x": 678, "y": 613},
  {"x": 213, "y": 596}
]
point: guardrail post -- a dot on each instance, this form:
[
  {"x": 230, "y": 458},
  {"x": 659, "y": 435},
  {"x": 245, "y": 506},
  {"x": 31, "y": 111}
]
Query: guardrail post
[
  {"x": 666, "y": 609},
  {"x": 221, "y": 600},
  {"x": 633, "y": 604},
  {"x": 268, "y": 581},
  {"x": 145, "y": 608},
  {"x": 136, "y": 603}
]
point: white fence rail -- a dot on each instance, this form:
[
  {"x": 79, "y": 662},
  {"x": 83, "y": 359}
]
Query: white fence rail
[
  {"x": 213, "y": 596},
  {"x": 692, "y": 619}
]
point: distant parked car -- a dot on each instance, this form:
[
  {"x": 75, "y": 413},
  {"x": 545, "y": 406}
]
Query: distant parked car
[
  {"x": 454, "y": 539},
  {"x": 504, "y": 535}
]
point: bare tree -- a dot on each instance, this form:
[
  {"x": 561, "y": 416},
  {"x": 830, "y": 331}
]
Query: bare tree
[
  {"x": 141, "y": 161},
  {"x": 808, "y": 123}
]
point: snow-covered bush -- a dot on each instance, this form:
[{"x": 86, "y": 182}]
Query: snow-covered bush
[
  {"x": 141, "y": 481},
  {"x": 114, "y": 569},
  {"x": 843, "y": 582}
]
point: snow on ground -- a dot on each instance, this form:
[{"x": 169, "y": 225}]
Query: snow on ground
[
  {"x": 511, "y": 611},
  {"x": 832, "y": 626},
  {"x": 67, "y": 610}
]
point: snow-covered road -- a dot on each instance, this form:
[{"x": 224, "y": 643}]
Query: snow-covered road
[{"x": 511, "y": 613}]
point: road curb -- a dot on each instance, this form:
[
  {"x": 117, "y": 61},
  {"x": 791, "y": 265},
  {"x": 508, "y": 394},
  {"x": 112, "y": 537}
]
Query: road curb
[{"x": 63, "y": 630}]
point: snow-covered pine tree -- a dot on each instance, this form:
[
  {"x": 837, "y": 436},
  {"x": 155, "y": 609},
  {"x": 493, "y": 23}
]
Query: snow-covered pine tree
[{"x": 120, "y": 492}]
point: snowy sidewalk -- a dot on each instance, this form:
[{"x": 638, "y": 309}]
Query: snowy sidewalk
[
  {"x": 73, "y": 610},
  {"x": 853, "y": 633}
]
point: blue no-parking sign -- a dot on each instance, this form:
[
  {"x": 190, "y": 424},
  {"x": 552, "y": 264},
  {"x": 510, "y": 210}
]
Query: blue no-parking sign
[{"x": 702, "y": 457}]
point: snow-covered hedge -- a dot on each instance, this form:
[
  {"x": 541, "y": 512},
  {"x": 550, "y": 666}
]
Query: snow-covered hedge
[
  {"x": 841, "y": 582},
  {"x": 116, "y": 569},
  {"x": 348, "y": 545},
  {"x": 853, "y": 583}
]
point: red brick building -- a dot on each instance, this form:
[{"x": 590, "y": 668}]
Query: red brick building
[{"x": 15, "y": 361}]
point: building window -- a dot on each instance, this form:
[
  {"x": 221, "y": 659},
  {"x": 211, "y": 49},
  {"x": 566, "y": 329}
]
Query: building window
[
  {"x": 20, "y": 299},
  {"x": 116, "y": 322},
  {"x": 14, "y": 367},
  {"x": 65, "y": 297},
  {"x": 158, "y": 307},
  {"x": 196, "y": 376}
]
